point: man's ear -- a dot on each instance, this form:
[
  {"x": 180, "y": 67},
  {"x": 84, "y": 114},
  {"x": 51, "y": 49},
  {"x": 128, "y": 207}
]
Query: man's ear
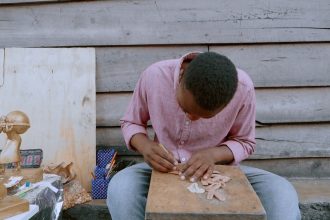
[{"x": 181, "y": 75}]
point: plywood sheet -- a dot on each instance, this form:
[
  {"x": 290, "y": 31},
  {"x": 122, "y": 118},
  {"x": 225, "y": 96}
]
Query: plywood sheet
[
  {"x": 159, "y": 22},
  {"x": 56, "y": 89},
  {"x": 169, "y": 198}
]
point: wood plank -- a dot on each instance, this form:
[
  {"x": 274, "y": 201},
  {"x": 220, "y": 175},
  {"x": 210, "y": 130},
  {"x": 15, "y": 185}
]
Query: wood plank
[
  {"x": 282, "y": 65},
  {"x": 312, "y": 190},
  {"x": 294, "y": 167},
  {"x": 292, "y": 141},
  {"x": 158, "y": 22},
  {"x": 273, "y": 106},
  {"x": 293, "y": 105},
  {"x": 118, "y": 68},
  {"x": 288, "y": 167},
  {"x": 13, "y": 205},
  {"x": 273, "y": 142},
  {"x": 168, "y": 196},
  {"x": 56, "y": 89}
]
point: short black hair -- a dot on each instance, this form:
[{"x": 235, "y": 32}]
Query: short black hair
[{"x": 212, "y": 80}]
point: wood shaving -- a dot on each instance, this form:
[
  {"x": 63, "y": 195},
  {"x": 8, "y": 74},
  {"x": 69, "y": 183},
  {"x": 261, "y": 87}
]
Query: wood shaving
[
  {"x": 211, "y": 185},
  {"x": 74, "y": 194},
  {"x": 194, "y": 188}
]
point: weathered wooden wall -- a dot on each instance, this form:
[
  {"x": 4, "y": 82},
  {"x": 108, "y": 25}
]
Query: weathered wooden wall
[{"x": 283, "y": 45}]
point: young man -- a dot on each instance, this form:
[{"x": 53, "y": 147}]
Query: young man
[{"x": 202, "y": 110}]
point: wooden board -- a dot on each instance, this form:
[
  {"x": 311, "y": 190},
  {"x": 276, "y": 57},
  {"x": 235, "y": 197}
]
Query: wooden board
[
  {"x": 12, "y": 205},
  {"x": 119, "y": 68},
  {"x": 56, "y": 89},
  {"x": 292, "y": 141},
  {"x": 293, "y": 105},
  {"x": 309, "y": 167},
  {"x": 273, "y": 142},
  {"x": 159, "y": 22},
  {"x": 169, "y": 198},
  {"x": 31, "y": 175},
  {"x": 294, "y": 167},
  {"x": 273, "y": 106},
  {"x": 282, "y": 65}
]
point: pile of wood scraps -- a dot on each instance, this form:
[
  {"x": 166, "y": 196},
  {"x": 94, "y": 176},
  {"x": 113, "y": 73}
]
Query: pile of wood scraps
[
  {"x": 212, "y": 185},
  {"x": 74, "y": 193}
]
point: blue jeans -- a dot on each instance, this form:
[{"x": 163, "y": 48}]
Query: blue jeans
[{"x": 128, "y": 190}]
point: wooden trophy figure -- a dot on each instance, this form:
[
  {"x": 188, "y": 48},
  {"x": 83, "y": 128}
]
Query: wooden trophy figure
[{"x": 13, "y": 125}]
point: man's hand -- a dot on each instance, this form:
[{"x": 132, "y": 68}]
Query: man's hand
[
  {"x": 201, "y": 164},
  {"x": 154, "y": 154}
]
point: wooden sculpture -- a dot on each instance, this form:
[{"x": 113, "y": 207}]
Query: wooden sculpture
[
  {"x": 14, "y": 124},
  {"x": 65, "y": 170}
]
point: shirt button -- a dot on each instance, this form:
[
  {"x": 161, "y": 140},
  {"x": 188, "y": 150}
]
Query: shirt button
[
  {"x": 183, "y": 159},
  {"x": 187, "y": 122},
  {"x": 182, "y": 142}
]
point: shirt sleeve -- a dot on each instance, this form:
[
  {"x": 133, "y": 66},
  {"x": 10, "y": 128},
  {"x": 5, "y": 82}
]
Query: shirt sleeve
[
  {"x": 137, "y": 115},
  {"x": 241, "y": 137}
]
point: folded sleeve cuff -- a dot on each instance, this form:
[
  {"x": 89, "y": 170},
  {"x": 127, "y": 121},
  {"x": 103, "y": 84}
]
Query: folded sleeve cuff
[
  {"x": 129, "y": 131},
  {"x": 237, "y": 150}
]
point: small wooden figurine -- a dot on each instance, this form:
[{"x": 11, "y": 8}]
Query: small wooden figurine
[{"x": 14, "y": 124}]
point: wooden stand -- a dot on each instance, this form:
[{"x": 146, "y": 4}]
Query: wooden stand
[
  {"x": 32, "y": 175},
  {"x": 169, "y": 199},
  {"x": 12, "y": 205}
]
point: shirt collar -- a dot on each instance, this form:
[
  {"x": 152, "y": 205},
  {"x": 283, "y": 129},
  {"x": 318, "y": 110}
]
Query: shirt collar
[{"x": 188, "y": 56}]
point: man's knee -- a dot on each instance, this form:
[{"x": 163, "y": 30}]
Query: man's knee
[{"x": 118, "y": 186}]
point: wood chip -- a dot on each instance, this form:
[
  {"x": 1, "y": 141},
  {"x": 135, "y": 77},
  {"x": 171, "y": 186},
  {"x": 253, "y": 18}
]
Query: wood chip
[
  {"x": 211, "y": 185},
  {"x": 219, "y": 196}
]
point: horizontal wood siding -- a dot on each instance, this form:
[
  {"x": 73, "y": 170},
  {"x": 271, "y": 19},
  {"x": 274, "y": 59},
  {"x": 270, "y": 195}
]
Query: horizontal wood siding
[
  {"x": 147, "y": 22},
  {"x": 294, "y": 167},
  {"x": 282, "y": 65},
  {"x": 118, "y": 68},
  {"x": 273, "y": 106},
  {"x": 276, "y": 141}
]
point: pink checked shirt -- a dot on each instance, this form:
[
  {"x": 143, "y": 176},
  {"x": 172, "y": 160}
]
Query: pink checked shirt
[{"x": 154, "y": 99}]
